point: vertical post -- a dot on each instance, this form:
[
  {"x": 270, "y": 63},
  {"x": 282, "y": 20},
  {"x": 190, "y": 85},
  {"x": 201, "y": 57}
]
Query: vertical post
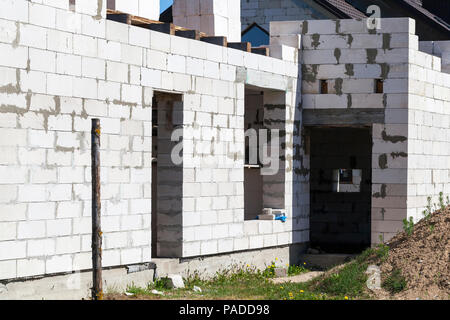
[{"x": 97, "y": 290}]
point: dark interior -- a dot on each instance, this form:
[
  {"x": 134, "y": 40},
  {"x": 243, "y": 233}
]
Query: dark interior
[{"x": 340, "y": 221}]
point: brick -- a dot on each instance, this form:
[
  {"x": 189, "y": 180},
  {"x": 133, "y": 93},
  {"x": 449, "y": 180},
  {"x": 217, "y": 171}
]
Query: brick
[
  {"x": 86, "y": 46},
  {"x": 131, "y": 54},
  {"x": 7, "y": 194},
  {"x": 58, "y": 264},
  {"x": 15, "y": 10},
  {"x": 12, "y": 212},
  {"x": 30, "y": 267},
  {"x": 13, "y": 57},
  {"x": 68, "y": 244},
  {"x": 42, "y": 15},
  {"x": 59, "y": 41},
  {"x": 129, "y": 256},
  {"x": 33, "y": 36},
  {"x": 8, "y": 269},
  {"x": 59, "y": 227},
  {"x": 139, "y": 37},
  {"x": 60, "y": 123},
  {"x": 41, "y": 210},
  {"x": 8, "y": 231},
  {"x": 85, "y": 88},
  {"x": 68, "y": 64},
  {"x": 59, "y": 85},
  {"x": 93, "y": 27},
  {"x": 176, "y": 63},
  {"x": 68, "y": 21},
  {"x": 12, "y": 250},
  {"x": 117, "y": 31},
  {"x": 32, "y": 229},
  {"x": 33, "y": 81}
]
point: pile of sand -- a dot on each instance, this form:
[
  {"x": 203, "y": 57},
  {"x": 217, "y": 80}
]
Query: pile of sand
[{"x": 423, "y": 259}]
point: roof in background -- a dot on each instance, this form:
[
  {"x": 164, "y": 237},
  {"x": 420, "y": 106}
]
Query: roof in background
[
  {"x": 342, "y": 9},
  {"x": 417, "y": 5}
]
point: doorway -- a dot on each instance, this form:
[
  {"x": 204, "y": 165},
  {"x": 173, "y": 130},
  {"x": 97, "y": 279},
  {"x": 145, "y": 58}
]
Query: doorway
[{"x": 340, "y": 188}]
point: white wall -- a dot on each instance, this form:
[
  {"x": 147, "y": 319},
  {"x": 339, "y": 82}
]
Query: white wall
[
  {"x": 214, "y": 17},
  {"x": 143, "y": 8},
  {"x": 59, "y": 69}
]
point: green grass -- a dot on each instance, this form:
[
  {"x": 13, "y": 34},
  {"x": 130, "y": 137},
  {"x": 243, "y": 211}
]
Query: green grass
[
  {"x": 395, "y": 282},
  {"x": 247, "y": 282}
]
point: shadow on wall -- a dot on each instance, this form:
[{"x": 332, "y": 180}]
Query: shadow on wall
[{"x": 300, "y": 176}]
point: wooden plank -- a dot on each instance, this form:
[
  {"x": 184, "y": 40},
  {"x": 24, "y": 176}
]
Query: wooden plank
[
  {"x": 119, "y": 17},
  {"x": 243, "y": 46},
  {"x": 221, "y": 41},
  {"x": 190, "y": 34},
  {"x": 261, "y": 51},
  {"x": 168, "y": 28}
]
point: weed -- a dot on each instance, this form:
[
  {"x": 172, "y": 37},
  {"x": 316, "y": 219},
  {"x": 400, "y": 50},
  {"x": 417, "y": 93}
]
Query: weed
[
  {"x": 294, "y": 270},
  {"x": 395, "y": 282},
  {"x": 408, "y": 225},
  {"x": 349, "y": 281},
  {"x": 431, "y": 228},
  {"x": 441, "y": 201},
  {"x": 428, "y": 210}
]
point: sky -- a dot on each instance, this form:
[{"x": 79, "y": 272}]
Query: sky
[{"x": 165, "y": 4}]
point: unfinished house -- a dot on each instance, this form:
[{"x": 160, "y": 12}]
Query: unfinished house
[{"x": 362, "y": 118}]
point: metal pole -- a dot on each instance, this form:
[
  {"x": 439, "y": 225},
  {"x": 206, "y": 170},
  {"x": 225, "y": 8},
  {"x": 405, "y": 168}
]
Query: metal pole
[{"x": 97, "y": 290}]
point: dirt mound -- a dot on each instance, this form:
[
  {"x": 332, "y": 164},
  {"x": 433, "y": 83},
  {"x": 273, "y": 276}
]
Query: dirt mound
[{"x": 423, "y": 259}]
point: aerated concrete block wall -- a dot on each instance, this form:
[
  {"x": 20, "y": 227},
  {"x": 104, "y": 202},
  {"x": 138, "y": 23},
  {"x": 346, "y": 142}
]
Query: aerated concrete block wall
[
  {"x": 213, "y": 17},
  {"x": 349, "y": 57},
  {"x": 428, "y": 132},
  {"x": 143, "y": 8},
  {"x": 62, "y": 67}
]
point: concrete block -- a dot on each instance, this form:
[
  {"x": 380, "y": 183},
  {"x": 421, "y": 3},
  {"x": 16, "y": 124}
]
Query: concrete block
[
  {"x": 33, "y": 36},
  {"x": 15, "y": 10},
  {"x": 55, "y": 264},
  {"x": 93, "y": 27},
  {"x": 59, "y": 41},
  {"x": 93, "y": 68},
  {"x": 13, "y": 57},
  {"x": 87, "y": 46},
  {"x": 31, "y": 229},
  {"x": 68, "y": 21},
  {"x": 139, "y": 36},
  {"x": 8, "y": 231},
  {"x": 42, "y": 15},
  {"x": 60, "y": 85}
]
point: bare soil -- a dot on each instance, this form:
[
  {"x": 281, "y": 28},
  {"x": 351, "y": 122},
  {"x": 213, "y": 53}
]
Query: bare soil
[{"x": 423, "y": 259}]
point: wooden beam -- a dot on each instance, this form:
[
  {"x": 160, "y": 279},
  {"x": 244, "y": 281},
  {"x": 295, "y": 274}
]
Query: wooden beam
[
  {"x": 119, "y": 17},
  {"x": 261, "y": 51},
  {"x": 243, "y": 46},
  {"x": 221, "y": 41},
  {"x": 190, "y": 34},
  {"x": 168, "y": 28}
]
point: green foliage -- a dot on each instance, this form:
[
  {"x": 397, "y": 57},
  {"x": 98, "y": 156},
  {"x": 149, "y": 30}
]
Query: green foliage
[
  {"x": 395, "y": 282},
  {"x": 408, "y": 226},
  {"x": 294, "y": 270},
  {"x": 428, "y": 211},
  {"x": 161, "y": 283},
  {"x": 348, "y": 281},
  {"x": 431, "y": 228},
  {"x": 442, "y": 204}
]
